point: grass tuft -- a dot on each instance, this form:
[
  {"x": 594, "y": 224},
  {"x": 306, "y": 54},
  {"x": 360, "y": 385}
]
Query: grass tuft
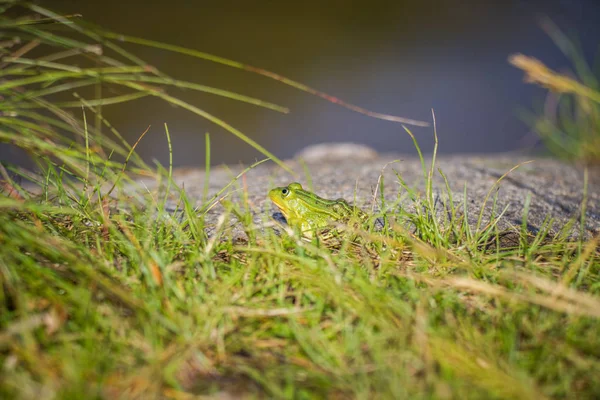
[{"x": 569, "y": 124}]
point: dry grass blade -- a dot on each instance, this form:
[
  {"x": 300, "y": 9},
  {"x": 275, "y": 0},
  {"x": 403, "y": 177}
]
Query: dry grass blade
[
  {"x": 536, "y": 72},
  {"x": 269, "y": 74},
  {"x": 581, "y": 307},
  {"x": 560, "y": 290}
]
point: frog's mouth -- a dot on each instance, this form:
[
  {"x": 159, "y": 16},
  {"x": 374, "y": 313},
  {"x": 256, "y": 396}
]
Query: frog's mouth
[{"x": 281, "y": 208}]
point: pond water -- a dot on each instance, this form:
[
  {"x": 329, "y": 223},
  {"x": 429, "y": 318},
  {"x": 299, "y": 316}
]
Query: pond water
[{"x": 397, "y": 57}]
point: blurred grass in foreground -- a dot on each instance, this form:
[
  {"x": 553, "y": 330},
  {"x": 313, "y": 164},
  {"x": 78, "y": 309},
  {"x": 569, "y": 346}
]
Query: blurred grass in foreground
[
  {"x": 106, "y": 292},
  {"x": 570, "y": 122}
]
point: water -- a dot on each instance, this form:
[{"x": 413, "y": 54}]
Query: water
[{"x": 393, "y": 57}]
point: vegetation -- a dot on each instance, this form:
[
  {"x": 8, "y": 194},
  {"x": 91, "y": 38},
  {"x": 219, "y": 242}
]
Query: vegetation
[
  {"x": 106, "y": 292},
  {"x": 569, "y": 124}
]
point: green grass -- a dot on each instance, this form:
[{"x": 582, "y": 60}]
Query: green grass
[
  {"x": 106, "y": 296},
  {"x": 107, "y": 293}
]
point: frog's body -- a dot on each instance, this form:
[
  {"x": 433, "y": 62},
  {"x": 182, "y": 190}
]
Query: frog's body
[{"x": 308, "y": 212}]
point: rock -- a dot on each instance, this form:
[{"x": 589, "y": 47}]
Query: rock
[
  {"x": 552, "y": 188},
  {"x": 329, "y": 152}
]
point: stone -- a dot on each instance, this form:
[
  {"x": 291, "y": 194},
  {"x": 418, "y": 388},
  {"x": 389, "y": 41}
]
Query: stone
[{"x": 553, "y": 189}]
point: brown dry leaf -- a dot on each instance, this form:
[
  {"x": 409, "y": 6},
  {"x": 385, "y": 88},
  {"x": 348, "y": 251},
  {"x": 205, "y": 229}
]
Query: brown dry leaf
[{"x": 156, "y": 273}]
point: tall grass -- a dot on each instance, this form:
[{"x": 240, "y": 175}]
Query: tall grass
[
  {"x": 110, "y": 291},
  {"x": 569, "y": 124}
]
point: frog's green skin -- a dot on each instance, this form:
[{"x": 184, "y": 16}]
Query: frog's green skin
[{"x": 308, "y": 212}]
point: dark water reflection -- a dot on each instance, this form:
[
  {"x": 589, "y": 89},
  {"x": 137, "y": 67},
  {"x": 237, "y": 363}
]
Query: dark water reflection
[{"x": 396, "y": 57}]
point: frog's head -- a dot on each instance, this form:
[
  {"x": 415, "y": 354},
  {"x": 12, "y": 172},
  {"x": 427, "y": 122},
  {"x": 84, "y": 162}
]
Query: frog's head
[{"x": 286, "y": 198}]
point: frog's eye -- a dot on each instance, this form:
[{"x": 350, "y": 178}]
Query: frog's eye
[{"x": 285, "y": 191}]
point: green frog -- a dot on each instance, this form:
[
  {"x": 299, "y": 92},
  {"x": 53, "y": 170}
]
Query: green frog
[{"x": 310, "y": 213}]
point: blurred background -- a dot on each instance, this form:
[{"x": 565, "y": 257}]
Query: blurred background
[{"x": 396, "y": 57}]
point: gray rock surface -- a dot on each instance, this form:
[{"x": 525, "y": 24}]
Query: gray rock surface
[{"x": 555, "y": 188}]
